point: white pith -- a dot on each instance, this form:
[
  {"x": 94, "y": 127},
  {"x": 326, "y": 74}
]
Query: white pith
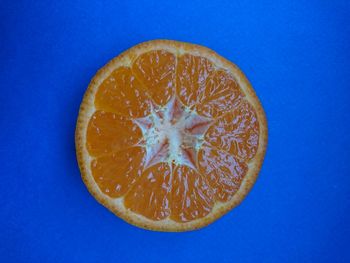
[{"x": 168, "y": 135}]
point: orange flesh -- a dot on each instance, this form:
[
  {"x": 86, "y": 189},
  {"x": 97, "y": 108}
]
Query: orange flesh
[
  {"x": 122, "y": 93},
  {"x": 109, "y": 132},
  {"x": 191, "y": 196},
  {"x": 150, "y": 196},
  {"x": 172, "y": 135},
  {"x": 192, "y": 72},
  {"x": 221, "y": 95},
  {"x": 237, "y": 132},
  {"x": 156, "y": 70},
  {"x": 115, "y": 173}
]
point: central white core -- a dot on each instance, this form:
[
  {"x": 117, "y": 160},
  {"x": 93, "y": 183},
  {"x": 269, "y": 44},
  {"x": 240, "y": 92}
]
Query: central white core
[{"x": 172, "y": 134}]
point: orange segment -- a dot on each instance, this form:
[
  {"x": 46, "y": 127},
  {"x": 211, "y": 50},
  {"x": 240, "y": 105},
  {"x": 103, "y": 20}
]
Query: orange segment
[
  {"x": 150, "y": 195},
  {"x": 192, "y": 198},
  {"x": 117, "y": 172},
  {"x": 223, "y": 171},
  {"x": 121, "y": 92},
  {"x": 109, "y": 132},
  {"x": 237, "y": 132},
  {"x": 156, "y": 70},
  {"x": 192, "y": 72},
  {"x": 221, "y": 95}
]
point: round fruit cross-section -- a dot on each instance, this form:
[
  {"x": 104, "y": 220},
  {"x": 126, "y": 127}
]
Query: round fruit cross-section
[{"x": 170, "y": 136}]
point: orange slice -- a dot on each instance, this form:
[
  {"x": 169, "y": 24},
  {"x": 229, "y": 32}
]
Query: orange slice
[{"x": 170, "y": 136}]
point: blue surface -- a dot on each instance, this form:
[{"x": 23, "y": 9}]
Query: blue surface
[{"x": 297, "y": 56}]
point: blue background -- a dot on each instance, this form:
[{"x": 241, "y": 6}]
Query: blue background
[{"x": 295, "y": 53}]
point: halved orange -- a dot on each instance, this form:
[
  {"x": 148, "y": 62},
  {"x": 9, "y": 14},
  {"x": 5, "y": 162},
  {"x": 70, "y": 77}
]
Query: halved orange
[{"x": 170, "y": 136}]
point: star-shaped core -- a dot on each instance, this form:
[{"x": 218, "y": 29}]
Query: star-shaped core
[{"x": 172, "y": 134}]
